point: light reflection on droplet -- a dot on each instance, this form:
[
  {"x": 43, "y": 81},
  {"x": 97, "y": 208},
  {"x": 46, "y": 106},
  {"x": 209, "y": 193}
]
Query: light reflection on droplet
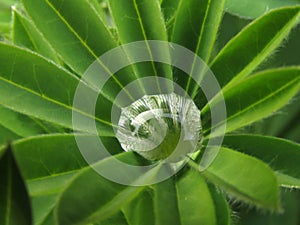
[{"x": 155, "y": 125}]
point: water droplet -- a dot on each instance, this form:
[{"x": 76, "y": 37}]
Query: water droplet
[{"x": 165, "y": 126}]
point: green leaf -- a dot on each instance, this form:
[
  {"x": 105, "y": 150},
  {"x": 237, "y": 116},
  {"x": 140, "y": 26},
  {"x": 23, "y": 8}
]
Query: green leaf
[
  {"x": 251, "y": 46},
  {"x": 255, "y": 8},
  {"x": 19, "y": 124},
  {"x": 15, "y": 207},
  {"x": 230, "y": 26},
  {"x": 5, "y": 17},
  {"x": 282, "y": 155},
  {"x": 26, "y": 35},
  {"x": 222, "y": 208},
  {"x": 165, "y": 203},
  {"x": 245, "y": 178},
  {"x": 195, "y": 202},
  {"x": 145, "y": 21},
  {"x": 142, "y": 17},
  {"x": 81, "y": 40},
  {"x": 49, "y": 220},
  {"x": 179, "y": 200},
  {"x": 6, "y": 136},
  {"x": 118, "y": 219},
  {"x": 43, "y": 206},
  {"x": 35, "y": 156},
  {"x": 101, "y": 8},
  {"x": 5, "y": 10},
  {"x": 41, "y": 89},
  {"x": 196, "y": 29},
  {"x": 258, "y": 96},
  {"x": 102, "y": 197},
  {"x": 169, "y": 8},
  {"x": 288, "y": 181},
  {"x": 140, "y": 209},
  {"x": 4, "y": 31},
  {"x": 46, "y": 179}
]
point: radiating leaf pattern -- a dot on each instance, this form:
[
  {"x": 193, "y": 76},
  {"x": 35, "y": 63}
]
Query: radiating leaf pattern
[
  {"x": 198, "y": 37},
  {"x": 53, "y": 43},
  {"x": 258, "y": 96},
  {"x": 44, "y": 92},
  {"x": 146, "y": 20},
  {"x": 250, "y": 47}
]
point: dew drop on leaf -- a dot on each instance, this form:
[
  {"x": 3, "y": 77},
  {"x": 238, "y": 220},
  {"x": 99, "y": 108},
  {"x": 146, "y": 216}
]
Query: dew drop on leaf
[{"x": 166, "y": 126}]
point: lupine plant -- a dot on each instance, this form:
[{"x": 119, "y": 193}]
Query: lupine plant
[{"x": 45, "y": 53}]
